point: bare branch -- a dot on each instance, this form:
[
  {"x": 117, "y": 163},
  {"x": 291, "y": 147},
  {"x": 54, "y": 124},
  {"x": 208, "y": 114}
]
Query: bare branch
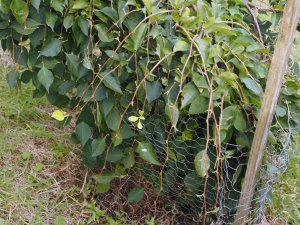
[
  {"x": 262, "y": 8},
  {"x": 255, "y": 21}
]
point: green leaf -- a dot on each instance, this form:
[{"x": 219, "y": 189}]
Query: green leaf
[
  {"x": 192, "y": 182},
  {"x": 202, "y": 163},
  {"x": 73, "y": 63},
  {"x": 45, "y": 77},
  {"x": 106, "y": 177},
  {"x": 31, "y": 26},
  {"x": 173, "y": 113},
  {"x": 59, "y": 220},
  {"x": 126, "y": 131},
  {"x": 66, "y": 87},
  {"x": 112, "y": 120},
  {"x": 36, "y": 4},
  {"x": 153, "y": 90},
  {"x": 186, "y": 16},
  {"x": 181, "y": 46},
  {"x": 68, "y": 21},
  {"x": 103, "y": 33},
  {"x": 5, "y": 6},
  {"x": 120, "y": 170},
  {"x": 51, "y": 19},
  {"x": 138, "y": 36},
  {"x": 98, "y": 116},
  {"x": 20, "y": 55},
  {"x": 228, "y": 76},
  {"x": 110, "y": 12},
  {"x": 271, "y": 138},
  {"x": 87, "y": 63},
  {"x": 149, "y": 4},
  {"x": 228, "y": 116},
  {"x": 244, "y": 140},
  {"x": 98, "y": 146},
  {"x": 58, "y": 5},
  {"x": 51, "y": 48},
  {"x": 115, "y": 155},
  {"x": 204, "y": 45},
  {"x": 280, "y": 111},
  {"x": 129, "y": 159},
  {"x": 83, "y": 132},
  {"x": 84, "y": 25},
  {"x": 117, "y": 138},
  {"x": 252, "y": 85},
  {"x": 199, "y": 105},
  {"x": 199, "y": 80},
  {"x": 81, "y": 4},
  {"x": 136, "y": 194},
  {"x": 122, "y": 10},
  {"x": 112, "y": 54},
  {"x": 148, "y": 153},
  {"x": 219, "y": 27},
  {"x": 290, "y": 88},
  {"x": 26, "y": 76},
  {"x": 102, "y": 188},
  {"x": 106, "y": 106},
  {"x": 13, "y": 79},
  {"x": 240, "y": 122},
  {"x": 189, "y": 93},
  {"x": 19, "y": 9},
  {"x": 111, "y": 82}
]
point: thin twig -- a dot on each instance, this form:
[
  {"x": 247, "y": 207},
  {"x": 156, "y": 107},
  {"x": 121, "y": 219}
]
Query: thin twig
[
  {"x": 254, "y": 21},
  {"x": 263, "y": 9},
  {"x": 84, "y": 181}
]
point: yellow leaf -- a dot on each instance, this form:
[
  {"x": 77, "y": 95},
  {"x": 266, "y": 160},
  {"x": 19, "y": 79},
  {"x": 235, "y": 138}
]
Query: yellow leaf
[
  {"x": 133, "y": 118},
  {"x": 140, "y": 126},
  {"x": 141, "y": 112},
  {"x": 59, "y": 115},
  {"x": 142, "y": 118}
]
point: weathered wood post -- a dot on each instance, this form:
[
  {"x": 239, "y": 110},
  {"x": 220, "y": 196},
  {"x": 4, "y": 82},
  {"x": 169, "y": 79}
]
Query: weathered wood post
[{"x": 274, "y": 82}]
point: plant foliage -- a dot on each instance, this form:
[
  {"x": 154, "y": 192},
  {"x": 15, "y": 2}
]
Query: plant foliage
[{"x": 170, "y": 87}]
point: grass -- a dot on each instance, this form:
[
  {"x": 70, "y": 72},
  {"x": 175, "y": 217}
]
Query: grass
[
  {"x": 40, "y": 168},
  {"x": 285, "y": 206}
]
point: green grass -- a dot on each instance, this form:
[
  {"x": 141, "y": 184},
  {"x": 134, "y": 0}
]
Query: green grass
[
  {"x": 285, "y": 207},
  {"x": 40, "y": 168}
]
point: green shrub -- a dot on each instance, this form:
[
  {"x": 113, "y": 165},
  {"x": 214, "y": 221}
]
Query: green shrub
[{"x": 166, "y": 90}]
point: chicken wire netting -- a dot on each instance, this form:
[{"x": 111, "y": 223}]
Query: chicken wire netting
[{"x": 177, "y": 195}]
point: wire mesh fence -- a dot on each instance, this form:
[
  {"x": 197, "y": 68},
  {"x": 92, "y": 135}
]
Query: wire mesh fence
[
  {"x": 178, "y": 189},
  {"x": 216, "y": 196}
]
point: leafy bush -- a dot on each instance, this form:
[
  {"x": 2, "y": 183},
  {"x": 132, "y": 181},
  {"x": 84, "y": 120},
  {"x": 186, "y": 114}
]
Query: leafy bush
[{"x": 169, "y": 90}]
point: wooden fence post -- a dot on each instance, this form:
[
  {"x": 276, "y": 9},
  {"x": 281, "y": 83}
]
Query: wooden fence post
[{"x": 274, "y": 82}]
